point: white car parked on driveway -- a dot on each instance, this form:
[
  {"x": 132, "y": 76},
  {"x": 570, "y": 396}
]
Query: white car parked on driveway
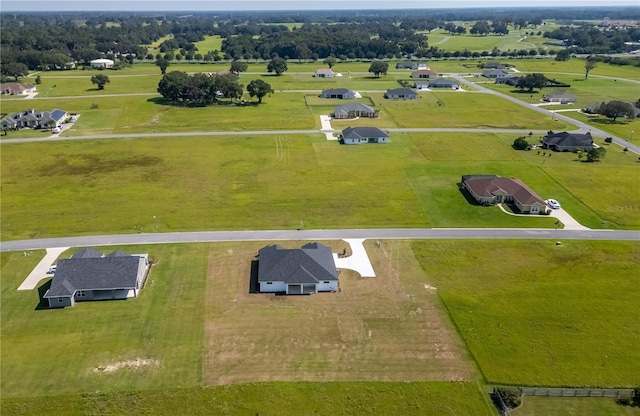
[{"x": 553, "y": 204}]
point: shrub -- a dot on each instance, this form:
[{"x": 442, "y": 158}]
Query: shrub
[{"x": 512, "y": 396}]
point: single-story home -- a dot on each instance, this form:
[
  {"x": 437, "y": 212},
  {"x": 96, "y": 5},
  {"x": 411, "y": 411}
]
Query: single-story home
[
  {"x": 444, "y": 83},
  {"x": 401, "y": 94},
  {"x": 568, "y": 142},
  {"x": 324, "y": 73},
  {"x": 493, "y": 189},
  {"x": 422, "y": 65},
  {"x": 101, "y": 63},
  {"x": 358, "y": 135},
  {"x": 493, "y": 65},
  {"x": 34, "y": 119},
  {"x": 407, "y": 65},
  {"x": 424, "y": 73},
  {"x": 354, "y": 110},
  {"x": 496, "y": 73},
  {"x": 91, "y": 275},
  {"x": 17, "y": 88},
  {"x": 303, "y": 271},
  {"x": 560, "y": 97},
  {"x": 510, "y": 80},
  {"x": 341, "y": 93}
]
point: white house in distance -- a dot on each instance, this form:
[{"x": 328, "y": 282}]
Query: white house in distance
[
  {"x": 304, "y": 271},
  {"x": 102, "y": 63},
  {"x": 324, "y": 73},
  {"x": 17, "y": 88}
]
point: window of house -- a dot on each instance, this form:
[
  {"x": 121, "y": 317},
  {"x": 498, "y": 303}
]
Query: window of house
[
  {"x": 81, "y": 294},
  {"x": 269, "y": 283},
  {"x": 60, "y": 300},
  {"x": 326, "y": 282}
]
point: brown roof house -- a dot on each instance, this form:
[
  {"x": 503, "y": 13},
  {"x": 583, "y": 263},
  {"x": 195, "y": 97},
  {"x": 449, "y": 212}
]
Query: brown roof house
[
  {"x": 17, "y": 88},
  {"x": 493, "y": 189},
  {"x": 568, "y": 142},
  {"x": 354, "y": 110}
]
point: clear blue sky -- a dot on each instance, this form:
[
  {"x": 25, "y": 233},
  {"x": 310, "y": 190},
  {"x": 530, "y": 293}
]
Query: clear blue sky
[{"x": 188, "y": 5}]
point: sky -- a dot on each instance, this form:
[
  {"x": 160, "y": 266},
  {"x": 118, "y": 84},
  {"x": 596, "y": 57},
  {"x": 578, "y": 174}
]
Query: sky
[{"x": 201, "y": 5}]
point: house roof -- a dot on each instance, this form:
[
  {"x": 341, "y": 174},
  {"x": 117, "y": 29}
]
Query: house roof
[
  {"x": 444, "y": 81},
  {"x": 401, "y": 91},
  {"x": 410, "y": 64},
  {"x": 312, "y": 263},
  {"x": 88, "y": 272},
  {"x": 424, "y": 72},
  {"x": 494, "y": 72},
  {"x": 568, "y": 139},
  {"x": 327, "y": 71},
  {"x": 561, "y": 94},
  {"x": 347, "y": 108},
  {"x": 488, "y": 185},
  {"x": 363, "y": 132},
  {"x": 15, "y": 86},
  {"x": 337, "y": 91},
  {"x": 102, "y": 61}
]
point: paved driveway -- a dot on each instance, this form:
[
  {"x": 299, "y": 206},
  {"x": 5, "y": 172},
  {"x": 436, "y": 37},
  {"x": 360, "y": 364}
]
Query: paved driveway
[
  {"x": 569, "y": 222},
  {"x": 40, "y": 271},
  {"x": 358, "y": 260}
]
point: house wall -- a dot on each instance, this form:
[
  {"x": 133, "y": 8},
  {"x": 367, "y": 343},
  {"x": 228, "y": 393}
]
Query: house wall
[
  {"x": 274, "y": 287},
  {"x": 61, "y": 302},
  {"x": 143, "y": 265},
  {"x": 350, "y": 140},
  {"x": 327, "y": 286}
]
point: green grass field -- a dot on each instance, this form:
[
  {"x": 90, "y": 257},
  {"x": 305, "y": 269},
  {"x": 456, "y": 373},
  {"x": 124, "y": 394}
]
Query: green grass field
[
  {"x": 210, "y": 43},
  {"x": 573, "y": 406},
  {"x": 533, "y": 313}
]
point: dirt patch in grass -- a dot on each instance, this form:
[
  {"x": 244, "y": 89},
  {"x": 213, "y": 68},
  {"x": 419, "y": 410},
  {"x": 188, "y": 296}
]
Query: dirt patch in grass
[
  {"x": 387, "y": 328},
  {"x": 134, "y": 364}
]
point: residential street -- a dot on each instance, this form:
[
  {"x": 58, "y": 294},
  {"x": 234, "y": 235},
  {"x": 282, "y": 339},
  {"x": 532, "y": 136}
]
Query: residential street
[{"x": 270, "y": 235}]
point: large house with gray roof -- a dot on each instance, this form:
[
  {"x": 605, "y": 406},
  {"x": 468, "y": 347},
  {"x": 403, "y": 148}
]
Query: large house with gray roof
[
  {"x": 91, "y": 275},
  {"x": 354, "y": 110},
  {"x": 560, "y": 97},
  {"x": 401, "y": 94},
  {"x": 568, "y": 142},
  {"x": 493, "y": 189},
  {"x": 304, "y": 271},
  {"x": 359, "y": 135},
  {"x": 341, "y": 93},
  {"x": 34, "y": 119}
]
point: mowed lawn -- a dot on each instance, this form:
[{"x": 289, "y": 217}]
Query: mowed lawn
[
  {"x": 573, "y": 406},
  {"x": 197, "y": 325},
  {"x": 61, "y": 351},
  {"x": 535, "y": 313}
]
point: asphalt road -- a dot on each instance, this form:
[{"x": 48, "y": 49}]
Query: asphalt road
[{"x": 271, "y": 235}]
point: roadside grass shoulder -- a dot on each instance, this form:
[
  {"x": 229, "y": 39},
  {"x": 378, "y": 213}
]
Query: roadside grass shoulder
[
  {"x": 534, "y": 313},
  {"x": 270, "y": 399}
]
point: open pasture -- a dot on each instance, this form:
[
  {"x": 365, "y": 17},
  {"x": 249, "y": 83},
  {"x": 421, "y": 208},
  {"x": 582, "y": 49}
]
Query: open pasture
[{"x": 534, "y": 313}]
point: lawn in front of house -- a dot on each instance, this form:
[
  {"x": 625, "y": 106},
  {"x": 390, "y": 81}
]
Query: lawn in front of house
[
  {"x": 578, "y": 406},
  {"x": 537, "y": 313}
]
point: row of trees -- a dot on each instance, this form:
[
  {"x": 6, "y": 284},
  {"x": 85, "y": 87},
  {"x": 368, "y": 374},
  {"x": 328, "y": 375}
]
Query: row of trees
[{"x": 199, "y": 90}]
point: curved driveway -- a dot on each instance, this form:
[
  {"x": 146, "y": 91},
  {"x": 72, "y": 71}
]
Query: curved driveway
[{"x": 270, "y": 235}]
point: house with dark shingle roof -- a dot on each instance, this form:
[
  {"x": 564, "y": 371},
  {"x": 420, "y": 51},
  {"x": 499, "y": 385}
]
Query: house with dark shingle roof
[
  {"x": 401, "y": 94},
  {"x": 424, "y": 73},
  {"x": 496, "y": 73},
  {"x": 358, "y": 135},
  {"x": 90, "y": 275},
  {"x": 444, "y": 83},
  {"x": 568, "y": 142},
  {"x": 493, "y": 189},
  {"x": 407, "y": 65},
  {"x": 354, "y": 110},
  {"x": 560, "y": 97},
  {"x": 341, "y": 93},
  {"x": 304, "y": 271},
  {"x": 34, "y": 119}
]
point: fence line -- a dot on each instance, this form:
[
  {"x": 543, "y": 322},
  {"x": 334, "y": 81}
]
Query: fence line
[
  {"x": 499, "y": 403},
  {"x": 572, "y": 392}
]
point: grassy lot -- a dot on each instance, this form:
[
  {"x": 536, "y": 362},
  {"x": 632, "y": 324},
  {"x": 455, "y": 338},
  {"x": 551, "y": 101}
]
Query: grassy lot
[
  {"x": 266, "y": 399},
  {"x": 410, "y": 182},
  {"x": 197, "y": 320},
  {"x": 58, "y": 350},
  {"x": 533, "y": 313},
  {"x": 210, "y": 43},
  {"x": 573, "y": 406},
  {"x": 626, "y": 129}
]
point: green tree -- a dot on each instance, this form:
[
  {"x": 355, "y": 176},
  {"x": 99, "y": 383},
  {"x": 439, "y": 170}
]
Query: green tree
[
  {"x": 379, "y": 67},
  {"x": 259, "y": 88},
  {"x": 480, "y": 28},
  {"x": 38, "y": 80},
  {"x": 588, "y": 66},
  {"x": 277, "y": 65},
  {"x": 163, "y": 63},
  {"x": 532, "y": 81},
  {"x": 15, "y": 70},
  {"x": 238, "y": 66},
  {"x": 614, "y": 109},
  {"x": 594, "y": 155},
  {"x": 563, "y": 55},
  {"x": 100, "y": 80},
  {"x": 520, "y": 144},
  {"x": 330, "y": 61}
]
